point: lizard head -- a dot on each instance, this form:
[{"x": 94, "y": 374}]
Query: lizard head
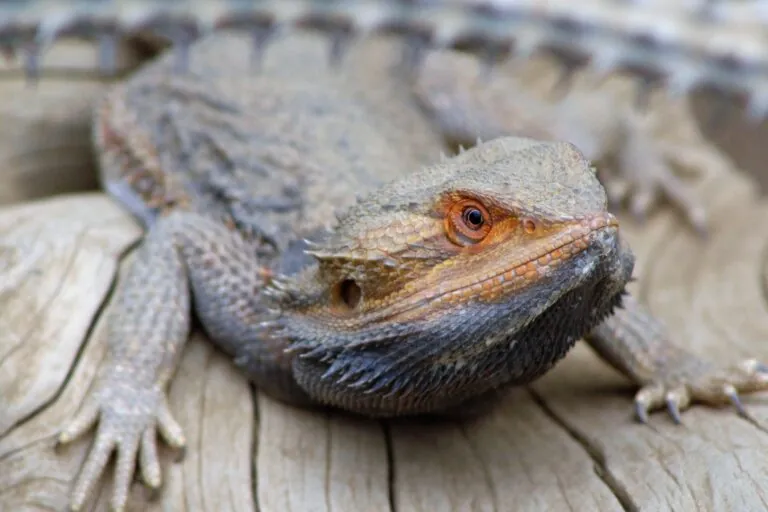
[{"x": 476, "y": 272}]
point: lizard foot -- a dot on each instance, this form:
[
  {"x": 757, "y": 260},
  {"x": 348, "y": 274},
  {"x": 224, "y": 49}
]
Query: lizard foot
[
  {"x": 647, "y": 171},
  {"x": 697, "y": 382},
  {"x": 129, "y": 419}
]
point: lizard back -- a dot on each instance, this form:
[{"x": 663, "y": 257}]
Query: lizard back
[{"x": 277, "y": 151}]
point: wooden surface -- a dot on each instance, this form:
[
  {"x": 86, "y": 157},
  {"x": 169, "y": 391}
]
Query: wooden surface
[{"x": 568, "y": 442}]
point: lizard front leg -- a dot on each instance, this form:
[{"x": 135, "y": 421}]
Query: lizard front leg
[
  {"x": 638, "y": 345},
  {"x": 183, "y": 255}
]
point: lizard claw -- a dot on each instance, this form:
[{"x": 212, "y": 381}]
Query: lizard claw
[
  {"x": 713, "y": 387},
  {"x": 129, "y": 420}
]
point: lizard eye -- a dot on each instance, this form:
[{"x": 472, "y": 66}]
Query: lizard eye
[{"x": 468, "y": 222}]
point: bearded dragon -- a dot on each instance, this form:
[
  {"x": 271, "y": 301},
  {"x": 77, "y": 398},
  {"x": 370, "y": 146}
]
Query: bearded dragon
[{"x": 304, "y": 216}]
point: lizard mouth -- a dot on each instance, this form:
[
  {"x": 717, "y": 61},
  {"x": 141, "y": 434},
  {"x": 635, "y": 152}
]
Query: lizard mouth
[{"x": 520, "y": 274}]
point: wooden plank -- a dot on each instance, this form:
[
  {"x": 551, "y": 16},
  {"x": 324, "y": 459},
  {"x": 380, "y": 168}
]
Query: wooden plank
[
  {"x": 58, "y": 261},
  {"x": 515, "y": 458},
  {"x": 318, "y": 461}
]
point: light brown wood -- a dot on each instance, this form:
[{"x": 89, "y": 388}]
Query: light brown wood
[{"x": 568, "y": 442}]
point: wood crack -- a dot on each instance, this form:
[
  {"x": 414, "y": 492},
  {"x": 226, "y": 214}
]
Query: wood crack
[
  {"x": 601, "y": 470},
  {"x": 387, "y": 429}
]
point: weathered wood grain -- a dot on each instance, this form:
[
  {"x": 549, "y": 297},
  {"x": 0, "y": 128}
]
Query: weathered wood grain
[
  {"x": 515, "y": 458},
  {"x": 58, "y": 261},
  {"x": 310, "y": 460}
]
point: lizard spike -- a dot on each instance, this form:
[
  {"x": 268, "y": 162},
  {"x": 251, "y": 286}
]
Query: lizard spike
[
  {"x": 340, "y": 41},
  {"x": 107, "y": 59},
  {"x": 319, "y": 254},
  {"x": 606, "y": 60},
  {"x": 260, "y": 37},
  {"x": 32, "y": 64},
  {"x": 718, "y": 116},
  {"x": 565, "y": 78},
  {"x": 336, "y": 369},
  {"x": 527, "y": 44},
  {"x": 682, "y": 81},
  {"x": 723, "y": 45},
  {"x": 645, "y": 87},
  {"x": 414, "y": 53},
  {"x": 275, "y": 293},
  {"x": 280, "y": 283},
  {"x": 389, "y": 262},
  {"x": 757, "y": 107}
]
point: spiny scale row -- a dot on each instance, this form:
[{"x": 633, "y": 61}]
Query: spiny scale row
[{"x": 685, "y": 44}]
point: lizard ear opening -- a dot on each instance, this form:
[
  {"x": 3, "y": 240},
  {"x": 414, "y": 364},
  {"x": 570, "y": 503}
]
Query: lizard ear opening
[{"x": 348, "y": 294}]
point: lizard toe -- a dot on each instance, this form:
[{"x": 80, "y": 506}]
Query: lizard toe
[
  {"x": 127, "y": 451},
  {"x": 129, "y": 419},
  {"x": 677, "y": 399},
  {"x": 641, "y": 202},
  {"x": 661, "y": 182},
  {"x": 712, "y": 387},
  {"x": 647, "y": 399},
  {"x": 725, "y": 386},
  {"x": 149, "y": 461},
  {"x": 169, "y": 428},
  {"x": 82, "y": 422},
  {"x": 681, "y": 196},
  {"x": 92, "y": 469}
]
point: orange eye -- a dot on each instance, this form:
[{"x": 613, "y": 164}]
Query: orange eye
[{"x": 468, "y": 222}]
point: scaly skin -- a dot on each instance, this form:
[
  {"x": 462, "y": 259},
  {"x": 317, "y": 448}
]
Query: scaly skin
[{"x": 442, "y": 284}]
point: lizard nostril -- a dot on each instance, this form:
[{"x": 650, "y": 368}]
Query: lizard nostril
[
  {"x": 349, "y": 293},
  {"x": 529, "y": 226}
]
